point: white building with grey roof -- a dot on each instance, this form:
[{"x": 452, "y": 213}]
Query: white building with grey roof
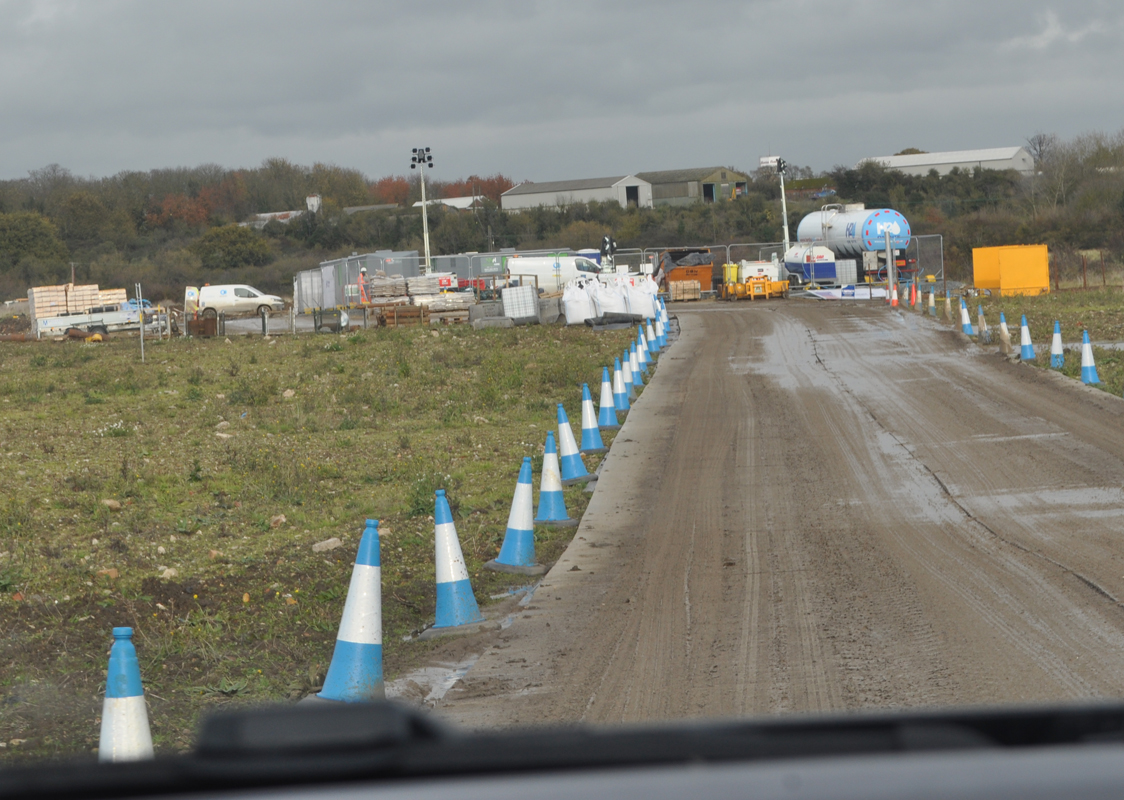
[
  {"x": 999, "y": 158},
  {"x": 624, "y": 189}
]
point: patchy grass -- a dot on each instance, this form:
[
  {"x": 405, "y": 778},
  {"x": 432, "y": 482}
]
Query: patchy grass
[
  {"x": 204, "y": 453},
  {"x": 1098, "y": 311}
]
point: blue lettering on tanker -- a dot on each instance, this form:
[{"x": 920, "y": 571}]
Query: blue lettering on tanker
[{"x": 850, "y": 230}]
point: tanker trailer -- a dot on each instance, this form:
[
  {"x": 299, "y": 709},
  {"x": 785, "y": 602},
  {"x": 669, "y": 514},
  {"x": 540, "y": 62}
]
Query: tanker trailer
[{"x": 854, "y": 231}]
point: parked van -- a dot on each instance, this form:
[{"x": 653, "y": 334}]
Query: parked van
[
  {"x": 552, "y": 272},
  {"x": 236, "y": 298}
]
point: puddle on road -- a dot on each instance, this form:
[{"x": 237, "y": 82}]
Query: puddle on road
[{"x": 429, "y": 684}]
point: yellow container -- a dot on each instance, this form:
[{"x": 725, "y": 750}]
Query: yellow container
[{"x": 1017, "y": 269}]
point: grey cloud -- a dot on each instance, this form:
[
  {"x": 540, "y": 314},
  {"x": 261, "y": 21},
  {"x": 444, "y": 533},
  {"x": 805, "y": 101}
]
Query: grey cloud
[{"x": 543, "y": 90}]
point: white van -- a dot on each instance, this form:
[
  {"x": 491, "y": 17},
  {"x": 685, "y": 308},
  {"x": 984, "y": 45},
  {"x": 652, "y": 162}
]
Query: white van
[
  {"x": 552, "y": 272},
  {"x": 236, "y": 298}
]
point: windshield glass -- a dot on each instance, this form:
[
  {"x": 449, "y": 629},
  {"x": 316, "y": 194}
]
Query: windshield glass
[{"x": 672, "y": 485}]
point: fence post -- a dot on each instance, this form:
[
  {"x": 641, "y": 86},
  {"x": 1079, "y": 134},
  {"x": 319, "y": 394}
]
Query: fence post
[{"x": 264, "y": 323}]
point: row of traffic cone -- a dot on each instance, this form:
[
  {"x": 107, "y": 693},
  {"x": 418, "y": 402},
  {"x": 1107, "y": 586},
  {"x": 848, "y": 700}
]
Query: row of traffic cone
[
  {"x": 355, "y": 673},
  {"x": 1026, "y": 347}
]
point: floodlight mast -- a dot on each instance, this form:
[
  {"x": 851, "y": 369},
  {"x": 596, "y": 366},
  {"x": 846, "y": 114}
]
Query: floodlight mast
[
  {"x": 422, "y": 158},
  {"x": 781, "y": 168}
]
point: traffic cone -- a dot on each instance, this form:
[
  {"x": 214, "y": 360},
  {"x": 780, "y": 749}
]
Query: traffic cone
[
  {"x": 517, "y": 554},
  {"x": 1057, "y": 354},
  {"x": 965, "y": 323},
  {"x": 626, "y": 376},
  {"x": 607, "y": 413},
  {"x": 634, "y": 363},
  {"x": 661, "y": 334},
  {"x": 932, "y": 302},
  {"x": 572, "y": 467},
  {"x": 456, "y": 604},
  {"x": 894, "y": 296},
  {"x": 653, "y": 345},
  {"x": 947, "y": 307},
  {"x": 124, "y": 718},
  {"x": 620, "y": 393},
  {"x": 552, "y": 505},
  {"x": 591, "y": 436},
  {"x": 1088, "y": 368},
  {"x": 1027, "y": 349},
  {"x": 913, "y": 296},
  {"x": 1004, "y": 336},
  {"x": 642, "y": 350},
  {"x": 355, "y": 673},
  {"x": 983, "y": 333}
]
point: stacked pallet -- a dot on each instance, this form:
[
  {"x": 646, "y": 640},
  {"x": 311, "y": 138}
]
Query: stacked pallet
[
  {"x": 112, "y": 297},
  {"x": 383, "y": 286},
  {"x": 685, "y": 290},
  {"x": 451, "y": 301},
  {"x": 47, "y": 301},
  {"x": 433, "y": 283}
]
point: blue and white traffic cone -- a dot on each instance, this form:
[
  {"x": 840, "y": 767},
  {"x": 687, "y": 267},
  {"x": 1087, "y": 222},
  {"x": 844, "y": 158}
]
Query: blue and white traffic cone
[
  {"x": 1003, "y": 326},
  {"x": 661, "y": 335},
  {"x": 517, "y": 554},
  {"x": 620, "y": 392},
  {"x": 1026, "y": 352},
  {"x": 1057, "y": 354},
  {"x": 125, "y": 735},
  {"x": 965, "y": 323},
  {"x": 626, "y": 375},
  {"x": 552, "y": 505},
  {"x": 933, "y": 302},
  {"x": 1088, "y": 368},
  {"x": 355, "y": 674},
  {"x": 570, "y": 460},
  {"x": 607, "y": 413},
  {"x": 983, "y": 333},
  {"x": 642, "y": 351},
  {"x": 591, "y": 435},
  {"x": 653, "y": 345},
  {"x": 456, "y": 604},
  {"x": 948, "y": 306},
  {"x": 634, "y": 363}
]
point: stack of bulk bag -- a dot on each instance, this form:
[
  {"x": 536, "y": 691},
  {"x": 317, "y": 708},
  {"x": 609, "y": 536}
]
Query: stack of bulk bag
[{"x": 577, "y": 303}]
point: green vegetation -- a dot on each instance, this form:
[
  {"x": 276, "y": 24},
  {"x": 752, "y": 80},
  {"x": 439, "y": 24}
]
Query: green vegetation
[
  {"x": 172, "y": 227},
  {"x": 183, "y": 496},
  {"x": 1100, "y": 312}
]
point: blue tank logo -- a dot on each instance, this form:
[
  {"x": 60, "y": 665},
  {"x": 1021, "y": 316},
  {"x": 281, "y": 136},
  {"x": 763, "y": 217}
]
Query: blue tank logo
[
  {"x": 850, "y": 230},
  {"x": 894, "y": 228}
]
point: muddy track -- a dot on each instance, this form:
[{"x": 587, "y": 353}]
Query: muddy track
[{"x": 819, "y": 506}]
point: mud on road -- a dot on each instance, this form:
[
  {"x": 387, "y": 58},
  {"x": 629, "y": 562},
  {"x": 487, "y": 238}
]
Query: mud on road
[{"x": 822, "y": 506}]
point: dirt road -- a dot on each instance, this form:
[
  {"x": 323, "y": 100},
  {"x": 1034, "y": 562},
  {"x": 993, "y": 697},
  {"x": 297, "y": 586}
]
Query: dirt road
[{"x": 819, "y": 506}]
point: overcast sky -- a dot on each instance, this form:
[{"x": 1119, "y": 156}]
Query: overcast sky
[{"x": 544, "y": 90}]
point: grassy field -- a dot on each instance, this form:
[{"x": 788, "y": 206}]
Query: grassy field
[
  {"x": 1098, "y": 311},
  {"x": 183, "y": 496}
]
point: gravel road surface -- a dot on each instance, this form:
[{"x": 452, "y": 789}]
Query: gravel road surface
[{"x": 823, "y": 506}]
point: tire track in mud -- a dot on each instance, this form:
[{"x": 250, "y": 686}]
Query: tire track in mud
[{"x": 818, "y": 507}]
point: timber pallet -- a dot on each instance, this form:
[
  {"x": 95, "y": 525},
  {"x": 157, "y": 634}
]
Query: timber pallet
[
  {"x": 400, "y": 316},
  {"x": 448, "y": 317}
]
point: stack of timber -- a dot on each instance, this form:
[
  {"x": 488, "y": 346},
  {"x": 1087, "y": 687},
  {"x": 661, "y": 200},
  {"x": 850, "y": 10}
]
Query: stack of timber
[
  {"x": 685, "y": 290},
  {"x": 393, "y": 315},
  {"x": 69, "y": 298},
  {"x": 112, "y": 297}
]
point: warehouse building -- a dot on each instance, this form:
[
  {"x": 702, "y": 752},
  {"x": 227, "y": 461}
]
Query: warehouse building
[
  {"x": 999, "y": 158},
  {"x": 628, "y": 190},
  {"x": 680, "y": 187}
]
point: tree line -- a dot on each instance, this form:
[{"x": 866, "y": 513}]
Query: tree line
[{"x": 172, "y": 227}]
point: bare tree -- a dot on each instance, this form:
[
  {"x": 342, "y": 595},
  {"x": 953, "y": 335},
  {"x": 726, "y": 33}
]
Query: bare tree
[{"x": 1041, "y": 146}]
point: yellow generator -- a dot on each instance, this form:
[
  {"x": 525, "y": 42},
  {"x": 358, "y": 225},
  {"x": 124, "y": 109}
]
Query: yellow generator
[{"x": 752, "y": 279}]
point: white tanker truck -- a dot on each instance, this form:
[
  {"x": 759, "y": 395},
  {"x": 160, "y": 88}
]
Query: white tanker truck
[{"x": 842, "y": 244}]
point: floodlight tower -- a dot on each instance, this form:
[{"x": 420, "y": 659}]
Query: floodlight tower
[
  {"x": 422, "y": 158},
  {"x": 781, "y": 166}
]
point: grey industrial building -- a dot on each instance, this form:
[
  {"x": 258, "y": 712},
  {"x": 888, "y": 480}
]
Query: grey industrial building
[
  {"x": 999, "y": 158},
  {"x": 680, "y": 187},
  {"x": 624, "y": 189}
]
